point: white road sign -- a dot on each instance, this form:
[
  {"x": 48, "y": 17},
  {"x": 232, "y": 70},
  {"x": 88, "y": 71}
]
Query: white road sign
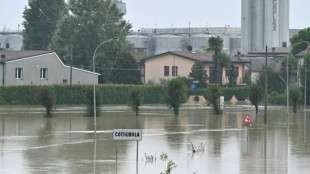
[{"x": 127, "y": 134}]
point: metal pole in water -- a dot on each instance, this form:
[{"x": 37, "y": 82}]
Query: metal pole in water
[
  {"x": 116, "y": 157},
  {"x": 137, "y": 158}
]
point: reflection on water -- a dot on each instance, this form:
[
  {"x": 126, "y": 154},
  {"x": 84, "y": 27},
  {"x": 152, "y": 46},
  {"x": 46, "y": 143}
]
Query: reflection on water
[{"x": 30, "y": 143}]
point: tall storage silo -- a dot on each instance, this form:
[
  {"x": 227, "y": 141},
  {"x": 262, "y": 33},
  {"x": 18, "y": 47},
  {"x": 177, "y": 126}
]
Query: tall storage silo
[
  {"x": 15, "y": 41},
  {"x": 199, "y": 40},
  {"x": 168, "y": 42}
]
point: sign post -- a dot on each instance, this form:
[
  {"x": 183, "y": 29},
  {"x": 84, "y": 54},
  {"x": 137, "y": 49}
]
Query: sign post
[
  {"x": 247, "y": 121},
  {"x": 127, "y": 135}
]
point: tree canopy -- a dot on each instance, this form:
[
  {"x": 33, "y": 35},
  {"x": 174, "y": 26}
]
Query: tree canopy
[
  {"x": 176, "y": 94},
  {"x": 296, "y": 40},
  {"x": 88, "y": 24},
  {"x": 275, "y": 81},
  {"x": 198, "y": 73},
  {"x": 40, "y": 22}
]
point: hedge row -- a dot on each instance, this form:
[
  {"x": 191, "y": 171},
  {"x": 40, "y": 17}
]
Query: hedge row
[{"x": 111, "y": 94}]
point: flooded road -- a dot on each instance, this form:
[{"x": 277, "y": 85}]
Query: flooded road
[{"x": 30, "y": 143}]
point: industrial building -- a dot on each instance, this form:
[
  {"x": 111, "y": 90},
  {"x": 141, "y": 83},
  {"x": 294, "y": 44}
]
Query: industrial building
[
  {"x": 264, "y": 23},
  {"x": 11, "y": 40}
]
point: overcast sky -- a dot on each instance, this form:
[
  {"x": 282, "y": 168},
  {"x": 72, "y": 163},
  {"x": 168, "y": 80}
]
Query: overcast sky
[{"x": 171, "y": 13}]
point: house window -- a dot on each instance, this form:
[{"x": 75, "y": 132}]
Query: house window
[
  {"x": 43, "y": 73},
  {"x": 65, "y": 81},
  {"x": 166, "y": 70},
  {"x": 174, "y": 70},
  {"x": 19, "y": 73},
  {"x": 7, "y": 45}
]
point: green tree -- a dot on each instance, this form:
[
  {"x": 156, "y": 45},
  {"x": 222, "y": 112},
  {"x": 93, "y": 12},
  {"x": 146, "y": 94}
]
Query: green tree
[
  {"x": 232, "y": 76},
  {"x": 88, "y": 24},
  {"x": 292, "y": 66},
  {"x": 105, "y": 64},
  {"x": 176, "y": 94},
  {"x": 47, "y": 98},
  {"x": 275, "y": 81},
  {"x": 216, "y": 44},
  {"x": 199, "y": 73},
  {"x": 126, "y": 70},
  {"x": 302, "y": 77},
  {"x": 255, "y": 95},
  {"x": 303, "y": 35},
  {"x": 40, "y": 22},
  {"x": 135, "y": 99},
  {"x": 214, "y": 93},
  {"x": 295, "y": 95}
]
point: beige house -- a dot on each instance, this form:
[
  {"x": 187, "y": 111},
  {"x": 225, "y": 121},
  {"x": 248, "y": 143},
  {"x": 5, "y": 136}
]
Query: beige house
[{"x": 179, "y": 63}]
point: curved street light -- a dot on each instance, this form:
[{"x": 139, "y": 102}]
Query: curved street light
[
  {"x": 305, "y": 82},
  {"x": 95, "y": 117}
]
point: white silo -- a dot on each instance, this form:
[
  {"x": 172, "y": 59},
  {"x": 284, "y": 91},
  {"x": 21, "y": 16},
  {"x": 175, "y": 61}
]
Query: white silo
[{"x": 264, "y": 23}]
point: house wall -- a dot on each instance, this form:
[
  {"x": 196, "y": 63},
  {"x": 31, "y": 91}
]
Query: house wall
[
  {"x": 56, "y": 74},
  {"x": 154, "y": 67}
]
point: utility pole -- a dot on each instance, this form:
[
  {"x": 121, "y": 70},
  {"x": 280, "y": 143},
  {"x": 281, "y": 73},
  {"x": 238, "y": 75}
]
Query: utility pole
[{"x": 266, "y": 91}]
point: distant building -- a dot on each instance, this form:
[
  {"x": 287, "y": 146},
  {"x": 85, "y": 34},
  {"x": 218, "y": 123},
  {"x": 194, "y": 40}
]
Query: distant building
[
  {"x": 264, "y": 23},
  {"x": 173, "y": 64},
  {"x": 11, "y": 40},
  {"x": 39, "y": 68},
  {"x": 120, "y": 5}
]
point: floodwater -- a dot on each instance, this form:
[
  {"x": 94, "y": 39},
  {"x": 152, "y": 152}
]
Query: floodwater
[{"x": 30, "y": 143}]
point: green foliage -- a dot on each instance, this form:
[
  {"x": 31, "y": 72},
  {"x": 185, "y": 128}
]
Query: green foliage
[
  {"x": 214, "y": 94},
  {"x": 292, "y": 66},
  {"x": 303, "y": 35},
  {"x": 126, "y": 70},
  {"x": 88, "y": 24},
  {"x": 302, "y": 77},
  {"x": 275, "y": 81},
  {"x": 176, "y": 94},
  {"x": 40, "y": 22},
  {"x": 171, "y": 165},
  {"x": 135, "y": 99},
  {"x": 216, "y": 44},
  {"x": 276, "y": 98},
  {"x": 255, "y": 95},
  {"x": 46, "y": 98},
  {"x": 295, "y": 96},
  {"x": 232, "y": 76},
  {"x": 241, "y": 93},
  {"x": 89, "y": 98},
  {"x": 198, "y": 73},
  {"x": 105, "y": 63}
]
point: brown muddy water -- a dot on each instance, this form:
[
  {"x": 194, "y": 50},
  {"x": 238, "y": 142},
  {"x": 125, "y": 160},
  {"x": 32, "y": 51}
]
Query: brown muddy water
[{"x": 32, "y": 144}]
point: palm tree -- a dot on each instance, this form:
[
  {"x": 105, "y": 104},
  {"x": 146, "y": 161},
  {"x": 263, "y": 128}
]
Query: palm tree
[{"x": 220, "y": 59}]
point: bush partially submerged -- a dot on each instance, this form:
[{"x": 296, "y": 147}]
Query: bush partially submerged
[
  {"x": 135, "y": 99},
  {"x": 46, "y": 98},
  {"x": 89, "y": 97}
]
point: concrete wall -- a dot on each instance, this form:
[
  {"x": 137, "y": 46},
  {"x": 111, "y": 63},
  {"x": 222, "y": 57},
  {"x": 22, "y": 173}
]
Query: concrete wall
[
  {"x": 264, "y": 22},
  {"x": 56, "y": 74},
  {"x": 15, "y": 41}
]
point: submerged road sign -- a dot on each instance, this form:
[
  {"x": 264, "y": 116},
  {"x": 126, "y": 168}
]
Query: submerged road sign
[
  {"x": 247, "y": 119},
  {"x": 127, "y": 134}
]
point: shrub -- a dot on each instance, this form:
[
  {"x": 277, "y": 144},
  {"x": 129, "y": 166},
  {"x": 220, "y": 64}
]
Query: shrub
[
  {"x": 176, "y": 94},
  {"x": 214, "y": 97},
  {"x": 46, "y": 99},
  {"x": 255, "y": 95},
  {"x": 295, "y": 95},
  {"x": 89, "y": 98},
  {"x": 276, "y": 98},
  {"x": 135, "y": 99}
]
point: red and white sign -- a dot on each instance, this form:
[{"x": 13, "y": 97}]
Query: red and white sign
[{"x": 247, "y": 119}]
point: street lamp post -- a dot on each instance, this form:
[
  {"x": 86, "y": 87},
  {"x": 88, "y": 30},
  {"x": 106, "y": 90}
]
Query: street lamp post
[
  {"x": 305, "y": 80},
  {"x": 95, "y": 121}
]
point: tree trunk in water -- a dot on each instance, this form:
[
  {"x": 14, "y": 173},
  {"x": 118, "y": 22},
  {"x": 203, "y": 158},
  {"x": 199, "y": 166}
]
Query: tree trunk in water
[{"x": 256, "y": 108}]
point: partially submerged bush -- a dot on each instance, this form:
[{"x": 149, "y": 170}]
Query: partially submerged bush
[
  {"x": 89, "y": 97},
  {"x": 135, "y": 99},
  {"x": 214, "y": 97},
  {"x": 46, "y": 98}
]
